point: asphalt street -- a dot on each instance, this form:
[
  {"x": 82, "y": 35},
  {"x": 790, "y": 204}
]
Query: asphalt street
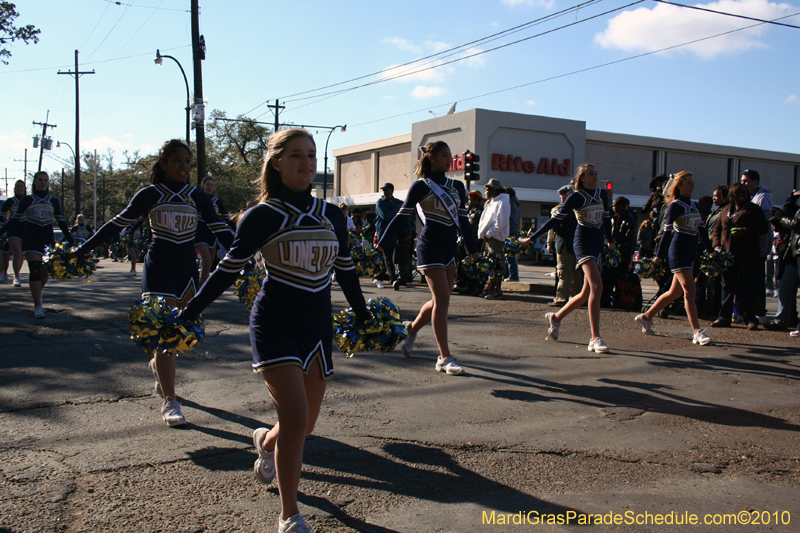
[{"x": 647, "y": 438}]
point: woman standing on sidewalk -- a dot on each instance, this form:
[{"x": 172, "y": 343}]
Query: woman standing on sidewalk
[
  {"x": 170, "y": 270},
  {"x": 291, "y": 322},
  {"x": 205, "y": 242},
  {"x": 590, "y": 205},
  {"x": 441, "y": 205},
  {"x": 17, "y": 227},
  {"x": 683, "y": 225}
]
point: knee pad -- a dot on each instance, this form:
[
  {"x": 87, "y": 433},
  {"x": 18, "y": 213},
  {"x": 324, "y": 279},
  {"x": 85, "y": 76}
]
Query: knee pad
[{"x": 34, "y": 269}]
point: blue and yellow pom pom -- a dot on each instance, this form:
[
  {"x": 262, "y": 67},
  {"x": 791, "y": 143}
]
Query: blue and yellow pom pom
[
  {"x": 716, "y": 265},
  {"x": 248, "y": 284},
  {"x": 382, "y": 332},
  {"x": 512, "y": 247},
  {"x": 367, "y": 260},
  {"x": 611, "y": 258},
  {"x": 153, "y": 325},
  {"x": 648, "y": 268},
  {"x": 61, "y": 267}
]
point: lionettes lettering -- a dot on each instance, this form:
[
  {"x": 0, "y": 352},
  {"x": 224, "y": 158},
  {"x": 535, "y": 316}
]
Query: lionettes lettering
[
  {"x": 177, "y": 222},
  {"x": 311, "y": 256}
]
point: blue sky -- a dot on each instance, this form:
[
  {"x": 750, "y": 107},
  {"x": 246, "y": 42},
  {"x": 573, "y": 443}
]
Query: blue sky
[{"x": 741, "y": 89}]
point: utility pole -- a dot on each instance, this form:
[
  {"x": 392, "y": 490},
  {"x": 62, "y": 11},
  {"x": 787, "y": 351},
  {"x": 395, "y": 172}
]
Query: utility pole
[
  {"x": 94, "y": 218},
  {"x": 77, "y": 75},
  {"x": 44, "y": 137},
  {"x": 198, "y": 55},
  {"x": 25, "y": 176},
  {"x": 277, "y": 109}
]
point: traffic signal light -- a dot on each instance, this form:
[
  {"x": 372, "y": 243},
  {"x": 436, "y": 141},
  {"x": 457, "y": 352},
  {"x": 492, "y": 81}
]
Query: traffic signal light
[
  {"x": 610, "y": 190},
  {"x": 471, "y": 167}
]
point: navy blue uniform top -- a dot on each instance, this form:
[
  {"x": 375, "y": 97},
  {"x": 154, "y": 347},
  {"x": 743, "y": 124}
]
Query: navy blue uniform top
[
  {"x": 82, "y": 231},
  {"x": 438, "y": 224},
  {"x": 14, "y": 227},
  {"x": 301, "y": 238},
  {"x": 590, "y": 208},
  {"x": 38, "y": 210},
  {"x": 683, "y": 224},
  {"x": 173, "y": 209},
  {"x": 222, "y": 212}
]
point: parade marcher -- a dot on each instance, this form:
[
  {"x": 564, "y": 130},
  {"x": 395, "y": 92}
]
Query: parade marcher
[
  {"x": 15, "y": 228},
  {"x": 172, "y": 206},
  {"x": 205, "y": 242},
  {"x": 738, "y": 231},
  {"x": 39, "y": 209},
  {"x": 81, "y": 230},
  {"x": 590, "y": 206},
  {"x": 683, "y": 225},
  {"x": 514, "y": 226},
  {"x": 569, "y": 278},
  {"x": 386, "y": 209},
  {"x": 291, "y": 321},
  {"x": 441, "y": 205},
  {"x": 470, "y": 286},
  {"x": 494, "y": 230}
]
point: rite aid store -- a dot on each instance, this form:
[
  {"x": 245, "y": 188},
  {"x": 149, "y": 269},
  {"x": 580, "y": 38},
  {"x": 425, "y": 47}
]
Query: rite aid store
[{"x": 537, "y": 155}]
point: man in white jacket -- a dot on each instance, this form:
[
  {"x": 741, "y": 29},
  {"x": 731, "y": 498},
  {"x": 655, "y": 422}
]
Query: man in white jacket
[{"x": 494, "y": 229}]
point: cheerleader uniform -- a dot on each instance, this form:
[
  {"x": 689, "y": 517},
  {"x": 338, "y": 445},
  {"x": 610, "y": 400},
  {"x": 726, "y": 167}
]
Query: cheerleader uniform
[
  {"x": 14, "y": 227},
  {"x": 594, "y": 222},
  {"x": 205, "y": 235},
  {"x": 82, "y": 232},
  {"x": 172, "y": 208},
  {"x": 37, "y": 210},
  {"x": 301, "y": 238},
  {"x": 437, "y": 243},
  {"x": 683, "y": 224}
]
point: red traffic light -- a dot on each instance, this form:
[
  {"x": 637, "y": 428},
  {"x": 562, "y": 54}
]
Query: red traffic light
[{"x": 609, "y": 186}]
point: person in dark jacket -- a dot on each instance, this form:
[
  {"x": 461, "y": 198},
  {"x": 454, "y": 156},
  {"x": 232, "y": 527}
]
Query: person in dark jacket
[
  {"x": 386, "y": 208},
  {"x": 570, "y": 280},
  {"x": 789, "y": 264},
  {"x": 514, "y": 220},
  {"x": 466, "y": 285},
  {"x": 738, "y": 230}
]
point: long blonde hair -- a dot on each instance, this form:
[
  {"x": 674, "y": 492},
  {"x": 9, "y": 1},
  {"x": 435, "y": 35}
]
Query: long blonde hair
[
  {"x": 270, "y": 178},
  {"x": 677, "y": 180}
]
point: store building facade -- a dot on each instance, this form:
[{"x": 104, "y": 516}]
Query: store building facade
[{"x": 537, "y": 155}]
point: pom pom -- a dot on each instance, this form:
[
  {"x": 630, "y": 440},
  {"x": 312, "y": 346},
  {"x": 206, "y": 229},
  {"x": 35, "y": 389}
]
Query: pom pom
[
  {"x": 716, "y": 265},
  {"x": 512, "y": 247},
  {"x": 155, "y": 326},
  {"x": 648, "y": 268},
  {"x": 382, "y": 332},
  {"x": 352, "y": 238},
  {"x": 60, "y": 266},
  {"x": 611, "y": 258},
  {"x": 367, "y": 259},
  {"x": 248, "y": 284}
]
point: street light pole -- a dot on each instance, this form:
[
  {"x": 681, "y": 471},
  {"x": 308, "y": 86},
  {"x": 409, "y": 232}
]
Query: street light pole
[
  {"x": 158, "y": 60},
  {"x": 325, "y": 164}
]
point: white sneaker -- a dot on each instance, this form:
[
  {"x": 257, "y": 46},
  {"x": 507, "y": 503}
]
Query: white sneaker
[
  {"x": 264, "y": 467},
  {"x": 378, "y": 283},
  {"x": 133, "y": 273},
  {"x": 293, "y": 524},
  {"x": 16, "y": 283},
  {"x": 700, "y": 337},
  {"x": 597, "y": 345},
  {"x": 552, "y": 331},
  {"x": 770, "y": 292},
  {"x": 449, "y": 365},
  {"x": 647, "y": 325},
  {"x": 407, "y": 346},
  {"x": 38, "y": 312},
  {"x": 157, "y": 386},
  {"x": 171, "y": 413},
  {"x": 795, "y": 334}
]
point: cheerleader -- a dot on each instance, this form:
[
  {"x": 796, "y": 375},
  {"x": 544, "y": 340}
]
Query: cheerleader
[
  {"x": 81, "y": 230},
  {"x": 683, "y": 224},
  {"x": 172, "y": 206},
  {"x": 39, "y": 209},
  {"x": 205, "y": 242},
  {"x": 301, "y": 238},
  {"x": 590, "y": 204},
  {"x": 15, "y": 228},
  {"x": 441, "y": 205}
]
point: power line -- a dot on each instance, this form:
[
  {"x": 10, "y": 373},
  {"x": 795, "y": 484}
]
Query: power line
[
  {"x": 109, "y": 31},
  {"x": 488, "y": 38},
  {"x": 95, "y": 27},
  {"x": 95, "y": 62},
  {"x": 341, "y": 91},
  {"x": 153, "y": 12},
  {"x": 729, "y": 14},
  {"x": 579, "y": 71},
  {"x": 148, "y": 7}
]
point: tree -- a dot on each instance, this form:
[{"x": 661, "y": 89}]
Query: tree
[{"x": 10, "y": 33}]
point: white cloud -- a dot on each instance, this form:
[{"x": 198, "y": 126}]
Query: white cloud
[
  {"x": 538, "y": 3},
  {"x": 530, "y": 102},
  {"x": 427, "y": 46},
  {"x": 102, "y": 143},
  {"x": 646, "y": 30},
  {"x": 792, "y": 99},
  {"x": 477, "y": 61},
  {"x": 147, "y": 148},
  {"x": 16, "y": 140},
  {"x": 421, "y": 92}
]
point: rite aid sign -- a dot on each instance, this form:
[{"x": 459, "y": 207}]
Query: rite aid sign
[{"x": 510, "y": 163}]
